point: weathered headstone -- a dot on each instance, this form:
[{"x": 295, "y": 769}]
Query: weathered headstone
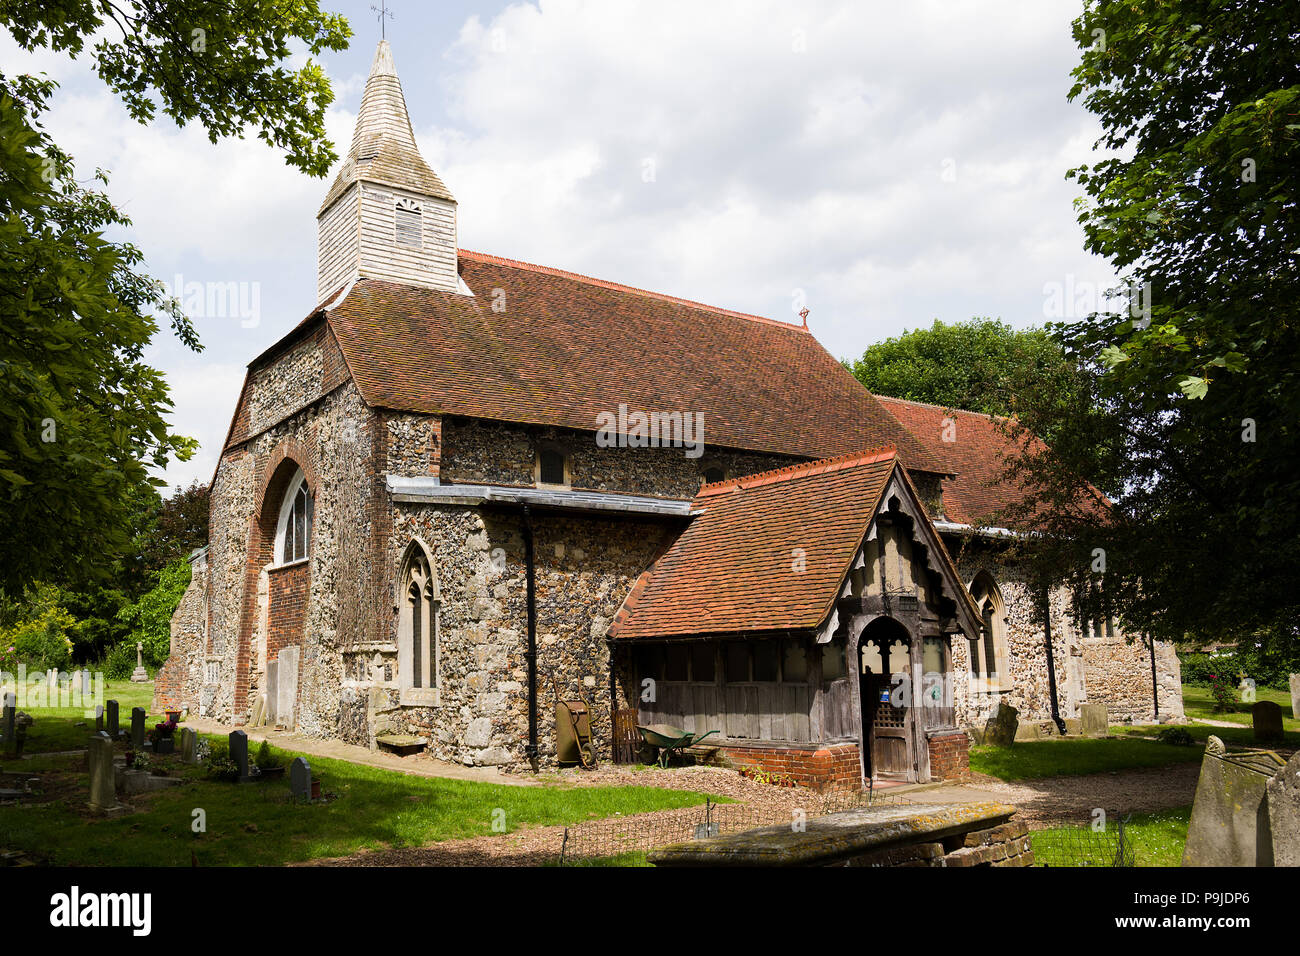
[
  {"x": 1229, "y": 812},
  {"x": 259, "y": 706},
  {"x": 8, "y": 723},
  {"x": 1094, "y": 720},
  {"x": 139, "y": 675},
  {"x": 1283, "y": 804},
  {"x": 300, "y": 779},
  {"x": 85, "y": 683},
  {"x": 189, "y": 745},
  {"x": 99, "y": 717},
  {"x": 1266, "y": 716},
  {"x": 103, "y": 784},
  {"x": 1295, "y": 696},
  {"x": 287, "y": 690},
  {"x": 239, "y": 752},
  {"x": 137, "y": 727},
  {"x": 111, "y": 719},
  {"x": 272, "y": 684},
  {"x": 1000, "y": 731}
]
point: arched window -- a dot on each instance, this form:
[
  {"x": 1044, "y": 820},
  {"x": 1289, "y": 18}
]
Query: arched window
[
  {"x": 552, "y": 466},
  {"x": 714, "y": 473},
  {"x": 293, "y": 533},
  {"x": 408, "y": 223},
  {"x": 417, "y": 631},
  {"x": 988, "y": 651}
]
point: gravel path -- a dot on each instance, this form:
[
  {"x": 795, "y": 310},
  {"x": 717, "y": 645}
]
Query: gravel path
[{"x": 1050, "y": 801}]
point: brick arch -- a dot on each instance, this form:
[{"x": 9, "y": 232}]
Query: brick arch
[{"x": 284, "y": 461}]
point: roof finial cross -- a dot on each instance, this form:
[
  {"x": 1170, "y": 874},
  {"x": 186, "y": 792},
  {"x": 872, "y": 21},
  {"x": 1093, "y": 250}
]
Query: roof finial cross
[
  {"x": 803, "y": 314},
  {"x": 384, "y": 14}
]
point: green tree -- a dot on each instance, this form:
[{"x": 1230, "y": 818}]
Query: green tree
[
  {"x": 82, "y": 417},
  {"x": 149, "y": 619},
  {"x": 980, "y": 365},
  {"x": 1194, "y": 385}
]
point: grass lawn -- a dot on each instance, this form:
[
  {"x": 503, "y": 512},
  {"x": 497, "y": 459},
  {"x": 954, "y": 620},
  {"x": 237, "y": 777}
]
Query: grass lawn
[
  {"x": 256, "y": 824},
  {"x": 1074, "y": 756},
  {"x": 1157, "y": 840},
  {"x": 55, "y": 727},
  {"x": 1199, "y": 705}
]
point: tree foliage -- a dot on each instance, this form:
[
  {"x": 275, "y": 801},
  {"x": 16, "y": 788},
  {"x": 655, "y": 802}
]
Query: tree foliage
[{"x": 1190, "y": 416}]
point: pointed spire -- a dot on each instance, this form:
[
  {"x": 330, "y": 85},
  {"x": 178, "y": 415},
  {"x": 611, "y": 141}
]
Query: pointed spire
[
  {"x": 387, "y": 215},
  {"x": 383, "y": 144}
]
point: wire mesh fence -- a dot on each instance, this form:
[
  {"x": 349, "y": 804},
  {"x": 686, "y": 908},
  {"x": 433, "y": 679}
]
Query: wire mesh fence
[
  {"x": 618, "y": 838},
  {"x": 1083, "y": 846}
]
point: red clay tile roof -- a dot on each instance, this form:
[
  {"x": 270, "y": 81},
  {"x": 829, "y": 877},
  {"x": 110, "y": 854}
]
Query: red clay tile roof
[
  {"x": 977, "y": 493},
  {"x": 563, "y": 348},
  {"x": 732, "y": 569}
]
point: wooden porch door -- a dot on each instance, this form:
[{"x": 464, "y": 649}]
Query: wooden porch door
[{"x": 886, "y": 712}]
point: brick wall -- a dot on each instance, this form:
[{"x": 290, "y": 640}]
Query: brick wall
[
  {"x": 834, "y": 767},
  {"x": 949, "y": 756},
  {"x": 288, "y": 607}
]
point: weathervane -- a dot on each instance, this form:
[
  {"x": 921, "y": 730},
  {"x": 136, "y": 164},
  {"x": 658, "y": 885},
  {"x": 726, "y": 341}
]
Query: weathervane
[{"x": 383, "y": 12}]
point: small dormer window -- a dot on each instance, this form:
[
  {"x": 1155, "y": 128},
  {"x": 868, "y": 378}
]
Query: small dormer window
[
  {"x": 408, "y": 223},
  {"x": 552, "y": 466}
]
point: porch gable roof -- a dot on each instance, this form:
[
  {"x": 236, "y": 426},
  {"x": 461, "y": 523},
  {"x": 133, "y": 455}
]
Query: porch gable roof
[{"x": 767, "y": 552}]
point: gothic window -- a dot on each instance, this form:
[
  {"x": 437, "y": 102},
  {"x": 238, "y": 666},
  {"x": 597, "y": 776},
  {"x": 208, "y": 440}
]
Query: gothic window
[
  {"x": 552, "y": 466},
  {"x": 714, "y": 473},
  {"x": 408, "y": 223},
  {"x": 988, "y": 651},
  {"x": 418, "y": 627},
  {"x": 293, "y": 534}
]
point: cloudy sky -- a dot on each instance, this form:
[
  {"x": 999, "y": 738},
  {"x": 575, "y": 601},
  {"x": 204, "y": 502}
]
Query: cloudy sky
[{"x": 888, "y": 163}]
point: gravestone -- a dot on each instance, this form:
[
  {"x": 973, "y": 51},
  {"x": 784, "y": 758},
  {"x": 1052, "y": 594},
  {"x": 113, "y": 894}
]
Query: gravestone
[
  {"x": 1000, "y": 731},
  {"x": 1094, "y": 720},
  {"x": 189, "y": 745},
  {"x": 103, "y": 782},
  {"x": 1283, "y": 804},
  {"x": 99, "y": 718},
  {"x": 259, "y": 710},
  {"x": 239, "y": 752},
  {"x": 111, "y": 719},
  {"x": 1266, "y": 717},
  {"x": 8, "y": 723},
  {"x": 85, "y": 683},
  {"x": 1230, "y": 816},
  {"x": 286, "y": 691},
  {"x": 139, "y": 675},
  {"x": 272, "y": 684},
  {"x": 300, "y": 779},
  {"x": 137, "y": 727},
  {"x": 1295, "y": 696}
]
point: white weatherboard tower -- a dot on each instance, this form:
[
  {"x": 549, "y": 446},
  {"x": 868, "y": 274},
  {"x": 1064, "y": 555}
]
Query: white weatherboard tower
[{"x": 388, "y": 215}]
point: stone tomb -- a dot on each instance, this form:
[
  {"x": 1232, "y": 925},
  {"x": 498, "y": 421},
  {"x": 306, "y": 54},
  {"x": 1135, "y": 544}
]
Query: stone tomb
[
  {"x": 239, "y": 752},
  {"x": 1239, "y": 817},
  {"x": 300, "y": 779},
  {"x": 1094, "y": 720},
  {"x": 1266, "y": 717},
  {"x": 954, "y": 835}
]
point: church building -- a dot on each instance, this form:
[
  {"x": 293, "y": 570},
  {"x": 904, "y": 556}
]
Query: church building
[{"x": 464, "y": 487}]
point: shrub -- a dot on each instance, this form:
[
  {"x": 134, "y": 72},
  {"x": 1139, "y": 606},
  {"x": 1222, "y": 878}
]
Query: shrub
[
  {"x": 1177, "y": 736},
  {"x": 1224, "y": 694},
  {"x": 119, "y": 662},
  {"x": 218, "y": 764},
  {"x": 44, "y": 641},
  {"x": 266, "y": 759}
]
